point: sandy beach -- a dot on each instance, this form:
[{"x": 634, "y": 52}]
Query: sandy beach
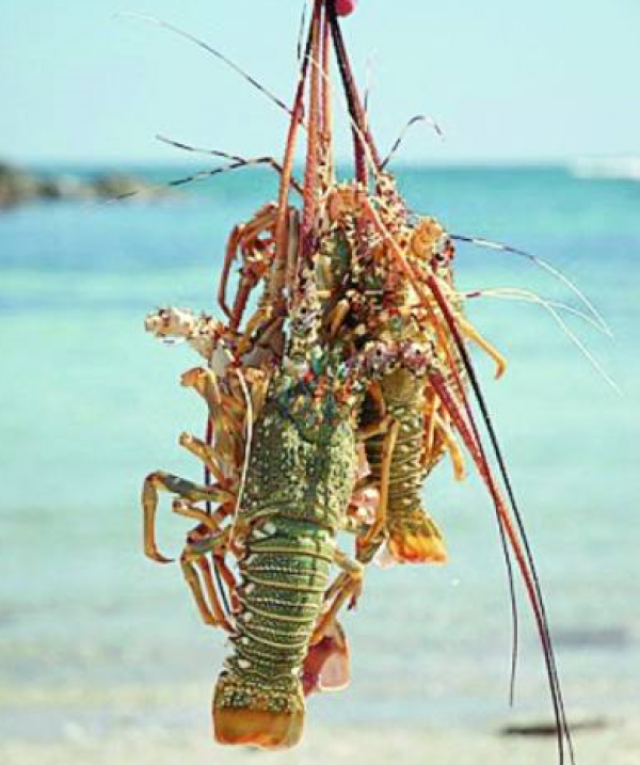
[{"x": 617, "y": 744}]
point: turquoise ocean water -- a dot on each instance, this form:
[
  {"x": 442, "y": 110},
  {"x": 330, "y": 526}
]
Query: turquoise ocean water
[{"x": 93, "y": 636}]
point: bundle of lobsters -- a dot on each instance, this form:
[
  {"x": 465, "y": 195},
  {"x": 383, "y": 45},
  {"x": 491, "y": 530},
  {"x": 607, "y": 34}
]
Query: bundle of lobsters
[{"x": 335, "y": 383}]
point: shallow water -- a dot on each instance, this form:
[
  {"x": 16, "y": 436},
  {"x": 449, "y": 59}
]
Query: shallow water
[{"x": 93, "y": 635}]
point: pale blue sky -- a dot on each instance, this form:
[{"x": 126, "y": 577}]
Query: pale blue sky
[{"x": 533, "y": 80}]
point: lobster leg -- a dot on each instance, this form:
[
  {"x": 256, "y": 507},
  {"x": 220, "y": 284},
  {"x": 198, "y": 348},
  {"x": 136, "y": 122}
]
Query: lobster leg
[
  {"x": 222, "y": 409},
  {"x": 258, "y": 255},
  {"x": 381, "y": 425},
  {"x": 228, "y": 578},
  {"x": 261, "y": 318},
  {"x": 205, "y": 383},
  {"x": 337, "y": 317},
  {"x": 240, "y": 233},
  {"x": 471, "y": 333},
  {"x": 204, "y": 453},
  {"x": 159, "y": 481},
  {"x": 327, "y": 665},
  {"x": 376, "y": 397},
  {"x": 194, "y": 558},
  {"x": 372, "y": 539},
  {"x": 452, "y": 446},
  {"x": 347, "y": 586},
  {"x": 210, "y": 521},
  {"x": 248, "y": 283},
  {"x": 230, "y": 255}
]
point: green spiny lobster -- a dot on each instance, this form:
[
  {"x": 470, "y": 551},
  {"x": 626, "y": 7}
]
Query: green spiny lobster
[{"x": 301, "y": 474}]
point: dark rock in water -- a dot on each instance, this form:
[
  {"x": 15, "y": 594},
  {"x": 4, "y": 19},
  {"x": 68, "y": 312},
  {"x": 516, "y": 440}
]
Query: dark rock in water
[
  {"x": 66, "y": 187},
  {"x": 21, "y": 187},
  {"x": 605, "y": 638},
  {"x": 16, "y": 186},
  {"x": 547, "y": 728},
  {"x": 117, "y": 185}
]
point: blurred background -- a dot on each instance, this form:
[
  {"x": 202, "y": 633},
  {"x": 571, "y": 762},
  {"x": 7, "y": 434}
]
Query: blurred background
[{"x": 101, "y": 653}]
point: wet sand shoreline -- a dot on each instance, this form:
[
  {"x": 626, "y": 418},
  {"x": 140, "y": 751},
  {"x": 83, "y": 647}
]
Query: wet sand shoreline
[{"x": 618, "y": 743}]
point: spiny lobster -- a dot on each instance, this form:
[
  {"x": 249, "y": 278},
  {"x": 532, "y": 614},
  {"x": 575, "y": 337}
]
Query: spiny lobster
[{"x": 328, "y": 408}]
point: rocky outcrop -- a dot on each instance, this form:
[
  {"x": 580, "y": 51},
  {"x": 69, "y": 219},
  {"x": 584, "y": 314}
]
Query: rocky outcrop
[{"x": 19, "y": 187}]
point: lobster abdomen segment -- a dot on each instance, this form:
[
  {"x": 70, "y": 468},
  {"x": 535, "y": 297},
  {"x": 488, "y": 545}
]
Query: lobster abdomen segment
[{"x": 259, "y": 697}]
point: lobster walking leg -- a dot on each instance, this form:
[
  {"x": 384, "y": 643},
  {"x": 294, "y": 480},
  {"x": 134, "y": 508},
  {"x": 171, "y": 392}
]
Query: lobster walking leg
[
  {"x": 471, "y": 333},
  {"x": 210, "y": 607},
  {"x": 372, "y": 539},
  {"x": 210, "y": 521},
  {"x": 338, "y": 315},
  {"x": 208, "y": 614},
  {"x": 246, "y": 237},
  {"x": 347, "y": 586},
  {"x": 159, "y": 481},
  {"x": 204, "y": 453}
]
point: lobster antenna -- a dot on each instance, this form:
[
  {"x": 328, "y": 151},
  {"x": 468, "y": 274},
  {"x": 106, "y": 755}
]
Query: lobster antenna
[
  {"x": 199, "y": 176},
  {"x": 197, "y": 150},
  {"x": 303, "y": 24},
  {"x": 224, "y": 155},
  {"x": 549, "y": 653},
  {"x": 468, "y": 431},
  {"x": 544, "y": 265},
  {"x": 363, "y": 136},
  {"x": 515, "y": 616},
  {"x": 364, "y": 143},
  {"x": 517, "y": 536},
  {"x": 210, "y": 49},
  {"x": 531, "y": 297},
  {"x": 424, "y": 118}
]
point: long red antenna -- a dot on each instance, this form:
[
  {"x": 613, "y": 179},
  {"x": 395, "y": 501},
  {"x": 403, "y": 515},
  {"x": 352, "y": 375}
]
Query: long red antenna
[{"x": 282, "y": 223}]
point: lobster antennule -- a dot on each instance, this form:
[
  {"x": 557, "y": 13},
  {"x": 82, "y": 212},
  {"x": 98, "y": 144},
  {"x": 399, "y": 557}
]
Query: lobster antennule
[
  {"x": 418, "y": 118},
  {"x": 488, "y": 244}
]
